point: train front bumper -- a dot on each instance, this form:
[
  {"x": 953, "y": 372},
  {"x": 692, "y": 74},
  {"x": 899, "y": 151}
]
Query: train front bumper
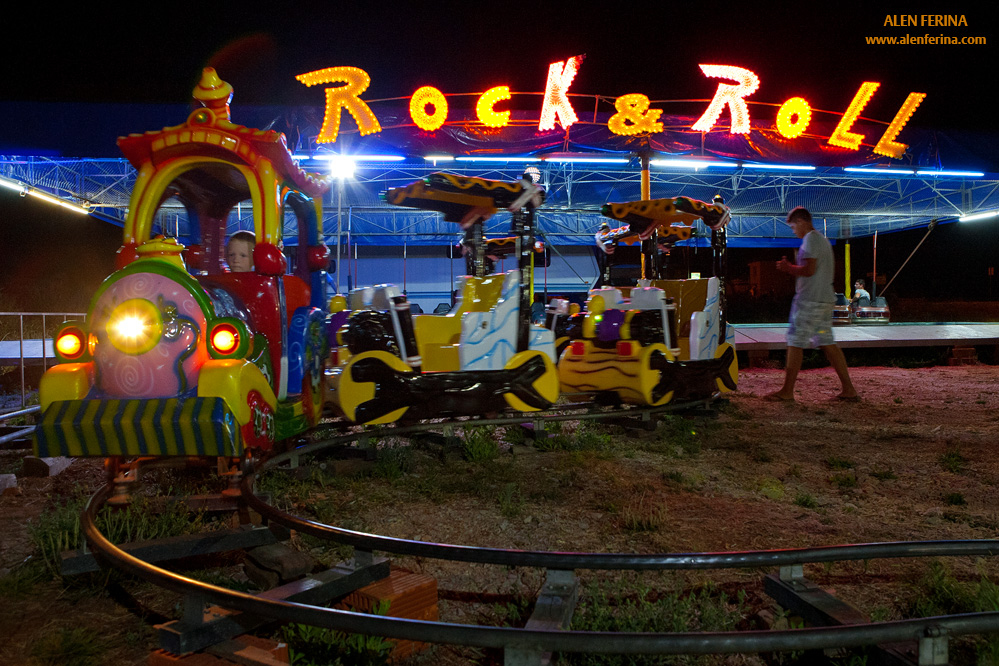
[{"x": 193, "y": 426}]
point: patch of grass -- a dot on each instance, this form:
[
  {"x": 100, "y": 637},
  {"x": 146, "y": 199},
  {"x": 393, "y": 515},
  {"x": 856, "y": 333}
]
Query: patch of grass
[
  {"x": 883, "y": 474},
  {"x": 771, "y": 488},
  {"x": 645, "y": 513},
  {"x": 761, "y": 455},
  {"x": 58, "y": 529},
  {"x": 587, "y": 436},
  {"x": 898, "y": 400},
  {"x": 679, "y": 436},
  {"x": 511, "y": 500},
  {"x": 835, "y": 462},
  {"x": 844, "y": 480},
  {"x": 952, "y": 460},
  {"x": 67, "y": 647},
  {"x": 20, "y": 582},
  {"x": 645, "y": 610},
  {"x": 806, "y": 501},
  {"x": 392, "y": 462},
  {"x": 479, "y": 444},
  {"x": 674, "y": 477},
  {"x": 317, "y": 646},
  {"x": 954, "y": 499}
]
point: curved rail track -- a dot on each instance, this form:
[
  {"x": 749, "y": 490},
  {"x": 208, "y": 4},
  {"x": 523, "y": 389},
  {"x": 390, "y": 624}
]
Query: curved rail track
[{"x": 527, "y": 645}]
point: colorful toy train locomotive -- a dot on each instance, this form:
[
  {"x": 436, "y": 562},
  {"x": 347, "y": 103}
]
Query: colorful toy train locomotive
[{"x": 179, "y": 356}]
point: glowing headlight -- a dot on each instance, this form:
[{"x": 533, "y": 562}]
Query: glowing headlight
[{"x": 135, "y": 326}]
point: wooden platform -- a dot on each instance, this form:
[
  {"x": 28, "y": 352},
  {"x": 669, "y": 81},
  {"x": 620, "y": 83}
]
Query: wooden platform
[{"x": 765, "y": 337}]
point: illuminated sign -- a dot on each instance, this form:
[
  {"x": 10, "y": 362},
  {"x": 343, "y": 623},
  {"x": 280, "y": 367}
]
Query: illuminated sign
[
  {"x": 731, "y": 95},
  {"x": 429, "y": 109},
  {"x": 560, "y": 76}
]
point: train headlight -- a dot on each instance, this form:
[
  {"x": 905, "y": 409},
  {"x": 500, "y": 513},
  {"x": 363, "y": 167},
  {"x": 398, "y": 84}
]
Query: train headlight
[{"x": 135, "y": 326}]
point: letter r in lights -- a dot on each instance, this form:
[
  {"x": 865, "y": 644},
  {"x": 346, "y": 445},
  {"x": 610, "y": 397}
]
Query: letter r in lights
[
  {"x": 560, "y": 76},
  {"x": 732, "y": 95},
  {"x": 348, "y": 95}
]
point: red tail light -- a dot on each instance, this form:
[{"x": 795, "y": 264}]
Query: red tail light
[{"x": 578, "y": 348}]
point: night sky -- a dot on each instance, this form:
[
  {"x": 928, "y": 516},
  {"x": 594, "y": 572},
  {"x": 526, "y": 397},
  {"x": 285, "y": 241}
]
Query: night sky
[{"x": 95, "y": 55}]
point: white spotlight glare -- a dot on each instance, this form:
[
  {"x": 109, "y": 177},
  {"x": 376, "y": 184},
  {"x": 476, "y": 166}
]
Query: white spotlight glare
[
  {"x": 978, "y": 216},
  {"x": 341, "y": 167}
]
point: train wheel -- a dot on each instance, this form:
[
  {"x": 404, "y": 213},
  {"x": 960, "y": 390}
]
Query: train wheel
[
  {"x": 547, "y": 385},
  {"x": 651, "y": 364},
  {"x": 733, "y": 367},
  {"x": 351, "y": 394}
]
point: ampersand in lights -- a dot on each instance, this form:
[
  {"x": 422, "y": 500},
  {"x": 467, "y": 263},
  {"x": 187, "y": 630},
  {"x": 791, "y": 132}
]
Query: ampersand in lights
[{"x": 634, "y": 116}]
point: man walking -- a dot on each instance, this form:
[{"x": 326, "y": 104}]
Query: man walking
[{"x": 811, "y": 311}]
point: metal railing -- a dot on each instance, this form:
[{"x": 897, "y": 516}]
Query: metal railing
[{"x": 18, "y": 348}]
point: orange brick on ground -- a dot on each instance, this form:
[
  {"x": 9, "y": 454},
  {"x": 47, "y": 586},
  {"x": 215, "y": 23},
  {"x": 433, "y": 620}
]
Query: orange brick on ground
[{"x": 410, "y": 595}]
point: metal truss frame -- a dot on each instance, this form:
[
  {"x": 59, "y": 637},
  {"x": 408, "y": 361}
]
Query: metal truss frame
[{"x": 848, "y": 205}]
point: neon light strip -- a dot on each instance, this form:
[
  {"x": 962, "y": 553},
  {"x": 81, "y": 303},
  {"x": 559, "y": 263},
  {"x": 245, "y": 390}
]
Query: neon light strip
[
  {"x": 44, "y": 196},
  {"x": 692, "y": 164},
  {"x": 14, "y": 185},
  {"x": 589, "y": 160},
  {"x": 928, "y": 172},
  {"x": 355, "y": 158},
  {"x": 787, "y": 167},
  {"x": 881, "y": 172},
  {"x": 510, "y": 158},
  {"x": 978, "y": 216},
  {"x": 439, "y": 158}
]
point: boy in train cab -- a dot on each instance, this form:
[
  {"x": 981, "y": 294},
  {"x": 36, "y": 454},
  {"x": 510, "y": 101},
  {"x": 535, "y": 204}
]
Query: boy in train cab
[{"x": 239, "y": 251}]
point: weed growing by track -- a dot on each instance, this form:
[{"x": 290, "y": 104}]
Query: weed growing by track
[{"x": 614, "y": 607}]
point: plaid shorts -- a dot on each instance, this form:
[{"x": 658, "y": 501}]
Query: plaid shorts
[{"x": 810, "y": 325}]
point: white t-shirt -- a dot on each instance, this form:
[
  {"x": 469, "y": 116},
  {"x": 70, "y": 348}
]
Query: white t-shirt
[{"x": 818, "y": 287}]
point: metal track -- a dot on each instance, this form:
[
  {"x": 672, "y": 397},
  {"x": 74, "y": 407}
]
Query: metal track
[{"x": 520, "y": 642}]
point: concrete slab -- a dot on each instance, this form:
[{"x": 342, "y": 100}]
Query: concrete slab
[
  {"x": 34, "y": 466},
  {"x": 760, "y": 337}
]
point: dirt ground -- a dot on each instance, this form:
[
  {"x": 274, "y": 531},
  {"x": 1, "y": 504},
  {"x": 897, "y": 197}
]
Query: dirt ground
[{"x": 913, "y": 460}]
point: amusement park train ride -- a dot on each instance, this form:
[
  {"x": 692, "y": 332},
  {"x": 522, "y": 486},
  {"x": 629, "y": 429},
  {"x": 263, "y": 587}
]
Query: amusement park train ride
[{"x": 179, "y": 356}]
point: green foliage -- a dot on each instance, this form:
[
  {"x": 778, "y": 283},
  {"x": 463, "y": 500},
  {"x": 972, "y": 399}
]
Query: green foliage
[
  {"x": 645, "y": 513},
  {"x": 938, "y": 592},
  {"x": 479, "y": 444},
  {"x": 392, "y": 462},
  {"x": 511, "y": 500},
  {"x": 587, "y": 436},
  {"x": 317, "y": 646},
  {"x": 679, "y": 435},
  {"x": 952, "y": 460},
  {"x": 771, "y": 488},
  {"x": 58, "y": 529},
  {"x": 67, "y": 647},
  {"x": 19, "y": 582},
  {"x": 647, "y": 611},
  {"x": 954, "y": 499},
  {"x": 883, "y": 474},
  {"x": 839, "y": 463},
  {"x": 806, "y": 501},
  {"x": 844, "y": 480}
]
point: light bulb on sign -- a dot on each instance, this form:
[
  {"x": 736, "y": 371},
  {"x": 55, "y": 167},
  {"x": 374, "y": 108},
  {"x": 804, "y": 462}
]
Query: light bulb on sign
[
  {"x": 355, "y": 81},
  {"x": 793, "y": 117},
  {"x": 418, "y": 103},
  {"x": 484, "y": 108}
]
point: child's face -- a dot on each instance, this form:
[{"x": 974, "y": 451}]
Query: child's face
[{"x": 239, "y": 255}]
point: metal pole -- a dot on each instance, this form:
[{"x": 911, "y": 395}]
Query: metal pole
[
  {"x": 339, "y": 228},
  {"x": 874, "y": 279}
]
